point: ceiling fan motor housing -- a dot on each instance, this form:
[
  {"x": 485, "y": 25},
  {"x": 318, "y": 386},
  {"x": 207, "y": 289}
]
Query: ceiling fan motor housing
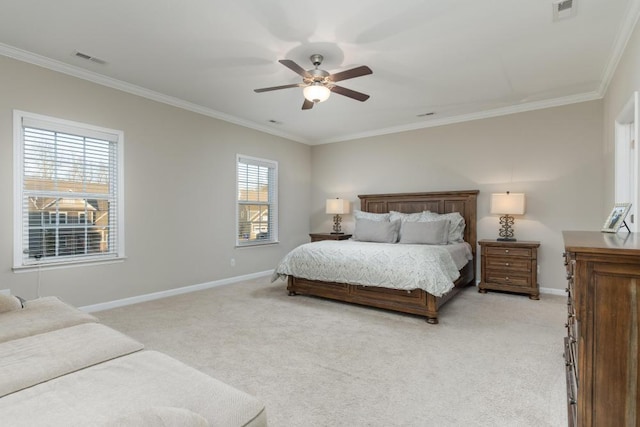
[{"x": 317, "y": 76}]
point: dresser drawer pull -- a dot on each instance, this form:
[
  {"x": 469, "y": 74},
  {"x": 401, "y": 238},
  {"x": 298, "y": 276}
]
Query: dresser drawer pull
[
  {"x": 507, "y": 278},
  {"x": 506, "y": 251},
  {"x": 506, "y": 264}
]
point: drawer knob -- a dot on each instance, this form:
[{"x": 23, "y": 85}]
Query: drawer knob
[
  {"x": 506, "y": 264},
  {"x": 506, "y": 278},
  {"x": 506, "y": 251}
]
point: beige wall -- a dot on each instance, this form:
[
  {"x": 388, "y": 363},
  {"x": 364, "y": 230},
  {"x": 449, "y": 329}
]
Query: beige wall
[
  {"x": 179, "y": 190},
  {"x": 184, "y": 163},
  {"x": 553, "y": 155},
  {"x": 625, "y": 81}
]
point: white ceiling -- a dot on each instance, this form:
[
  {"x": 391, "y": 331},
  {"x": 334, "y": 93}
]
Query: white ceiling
[{"x": 461, "y": 59}]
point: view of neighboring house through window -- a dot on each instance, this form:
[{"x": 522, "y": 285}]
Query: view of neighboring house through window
[
  {"x": 68, "y": 198},
  {"x": 257, "y": 204}
]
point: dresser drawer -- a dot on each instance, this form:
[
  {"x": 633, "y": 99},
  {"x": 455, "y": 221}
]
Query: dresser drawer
[
  {"x": 508, "y": 252},
  {"x": 507, "y": 263},
  {"x": 505, "y": 278}
]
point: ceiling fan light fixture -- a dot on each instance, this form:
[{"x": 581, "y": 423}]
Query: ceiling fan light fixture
[{"x": 316, "y": 92}]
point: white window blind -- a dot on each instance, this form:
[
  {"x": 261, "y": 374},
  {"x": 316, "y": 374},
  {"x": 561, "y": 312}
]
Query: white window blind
[
  {"x": 68, "y": 192},
  {"x": 257, "y": 203}
]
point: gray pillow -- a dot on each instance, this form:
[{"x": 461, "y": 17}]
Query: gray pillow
[
  {"x": 376, "y": 231},
  {"x": 456, "y": 224},
  {"x": 425, "y": 233}
]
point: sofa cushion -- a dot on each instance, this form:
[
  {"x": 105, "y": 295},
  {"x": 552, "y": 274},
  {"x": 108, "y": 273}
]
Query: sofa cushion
[
  {"x": 125, "y": 386},
  {"x": 38, "y": 316},
  {"x": 28, "y": 361},
  {"x": 160, "y": 416}
]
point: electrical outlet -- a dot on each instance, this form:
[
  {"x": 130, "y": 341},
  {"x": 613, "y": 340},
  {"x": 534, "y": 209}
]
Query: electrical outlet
[
  {"x": 5, "y": 291},
  {"x": 233, "y": 262}
]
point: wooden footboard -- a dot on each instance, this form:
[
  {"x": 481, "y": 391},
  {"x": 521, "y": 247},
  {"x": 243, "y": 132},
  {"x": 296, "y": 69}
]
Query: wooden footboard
[{"x": 415, "y": 301}]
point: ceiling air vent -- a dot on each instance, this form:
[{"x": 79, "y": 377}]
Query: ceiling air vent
[
  {"x": 564, "y": 9},
  {"x": 90, "y": 58}
]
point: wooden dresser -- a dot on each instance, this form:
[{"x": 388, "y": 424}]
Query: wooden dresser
[
  {"x": 509, "y": 266},
  {"x": 602, "y": 342}
]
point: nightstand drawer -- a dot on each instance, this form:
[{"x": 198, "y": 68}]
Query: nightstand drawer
[
  {"x": 511, "y": 264},
  {"x": 508, "y": 252},
  {"x": 504, "y": 278}
]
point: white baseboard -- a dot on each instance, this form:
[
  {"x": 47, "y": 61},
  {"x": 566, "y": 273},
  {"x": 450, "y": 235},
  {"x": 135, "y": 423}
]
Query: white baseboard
[
  {"x": 550, "y": 291},
  {"x": 171, "y": 292},
  {"x": 553, "y": 291}
]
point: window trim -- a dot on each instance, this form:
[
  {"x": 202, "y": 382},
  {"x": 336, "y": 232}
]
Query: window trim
[
  {"x": 18, "y": 180},
  {"x": 273, "y": 205}
]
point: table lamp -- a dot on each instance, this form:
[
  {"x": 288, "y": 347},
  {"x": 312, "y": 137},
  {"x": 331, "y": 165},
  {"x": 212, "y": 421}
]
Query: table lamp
[
  {"x": 506, "y": 205},
  {"x": 337, "y": 207}
]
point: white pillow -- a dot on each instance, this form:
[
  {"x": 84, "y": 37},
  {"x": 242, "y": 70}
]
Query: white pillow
[
  {"x": 370, "y": 216},
  {"x": 9, "y": 303},
  {"x": 425, "y": 233},
  {"x": 412, "y": 217},
  {"x": 376, "y": 231},
  {"x": 456, "y": 224}
]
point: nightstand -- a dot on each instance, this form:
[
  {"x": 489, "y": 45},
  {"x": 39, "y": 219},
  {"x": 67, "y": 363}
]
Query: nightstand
[
  {"x": 328, "y": 236},
  {"x": 510, "y": 266}
]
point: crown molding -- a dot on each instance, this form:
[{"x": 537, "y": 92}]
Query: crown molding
[
  {"x": 61, "y": 67},
  {"x": 620, "y": 44},
  {"x": 530, "y": 106}
]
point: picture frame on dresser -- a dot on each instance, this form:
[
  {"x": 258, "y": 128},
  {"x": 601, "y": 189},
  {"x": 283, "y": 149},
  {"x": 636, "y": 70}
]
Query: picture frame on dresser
[{"x": 616, "y": 218}]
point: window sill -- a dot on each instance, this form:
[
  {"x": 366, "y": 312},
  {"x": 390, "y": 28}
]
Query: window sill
[
  {"x": 65, "y": 264},
  {"x": 254, "y": 244}
]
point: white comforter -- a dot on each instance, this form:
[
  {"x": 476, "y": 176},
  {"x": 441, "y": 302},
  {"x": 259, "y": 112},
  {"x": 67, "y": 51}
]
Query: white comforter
[{"x": 431, "y": 268}]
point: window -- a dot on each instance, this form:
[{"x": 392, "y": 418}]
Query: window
[
  {"x": 68, "y": 192},
  {"x": 627, "y": 159},
  {"x": 257, "y": 207}
]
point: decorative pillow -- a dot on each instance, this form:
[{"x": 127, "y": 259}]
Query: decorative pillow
[
  {"x": 456, "y": 224},
  {"x": 425, "y": 233},
  {"x": 370, "y": 216},
  {"x": 412, "y": 217},
  {"x": 9, "y": 303},
  {"x": 376, "y": 231}
]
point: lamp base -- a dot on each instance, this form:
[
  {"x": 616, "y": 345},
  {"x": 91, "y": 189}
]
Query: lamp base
[
  {"x": 506, "y": 239},
  {"x": 336, "y": 232}
]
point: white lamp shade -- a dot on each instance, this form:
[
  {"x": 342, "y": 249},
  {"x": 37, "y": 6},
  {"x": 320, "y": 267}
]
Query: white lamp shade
[
  {"x": 316, "y": 92},
  {"x": 338, "y": 206},
  {"x": 507, "y": 203}
]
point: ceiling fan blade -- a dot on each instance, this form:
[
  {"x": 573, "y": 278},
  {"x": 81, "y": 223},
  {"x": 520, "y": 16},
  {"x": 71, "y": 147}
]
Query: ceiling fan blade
[
  {"x": 359, "y": 96},
  {"x": 349, "y": 74},
  {"x": 267, "y": 89},
  {"x": 295, "y": 68},
  {"x": 307, "y": 105}
]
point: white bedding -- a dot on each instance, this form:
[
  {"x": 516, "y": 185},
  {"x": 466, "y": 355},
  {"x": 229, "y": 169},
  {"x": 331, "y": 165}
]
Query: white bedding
[{"x": 432, "y": 268}]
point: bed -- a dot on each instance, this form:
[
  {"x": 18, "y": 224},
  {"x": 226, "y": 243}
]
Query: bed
[{"x": 412, "y": 301}]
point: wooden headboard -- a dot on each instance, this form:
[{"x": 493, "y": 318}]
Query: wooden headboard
[{"x": 464, "y": 202}]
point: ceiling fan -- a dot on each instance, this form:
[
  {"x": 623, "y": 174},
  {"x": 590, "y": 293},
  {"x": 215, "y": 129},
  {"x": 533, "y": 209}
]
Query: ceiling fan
[{"x": 318, "y": 84}]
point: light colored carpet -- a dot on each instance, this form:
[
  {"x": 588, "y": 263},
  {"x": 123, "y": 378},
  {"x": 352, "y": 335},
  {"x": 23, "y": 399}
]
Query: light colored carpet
[{"x": 494, "y": 359}]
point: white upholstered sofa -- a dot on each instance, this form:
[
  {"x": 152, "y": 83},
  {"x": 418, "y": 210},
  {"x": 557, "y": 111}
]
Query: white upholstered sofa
[{"x": 60, "y": 366}]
